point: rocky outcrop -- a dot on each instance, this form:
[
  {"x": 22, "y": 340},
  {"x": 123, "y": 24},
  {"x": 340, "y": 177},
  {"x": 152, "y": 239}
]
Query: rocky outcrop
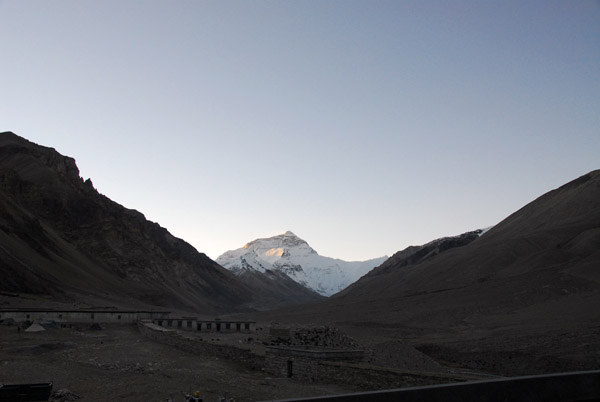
[{"x": 416, "y": 254}]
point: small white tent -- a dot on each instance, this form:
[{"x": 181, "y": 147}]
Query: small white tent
[{"x": 35, "y": 327}]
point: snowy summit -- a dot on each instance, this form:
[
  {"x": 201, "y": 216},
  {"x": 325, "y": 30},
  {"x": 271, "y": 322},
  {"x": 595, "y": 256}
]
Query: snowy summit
[{"x": 289, "y": 254}]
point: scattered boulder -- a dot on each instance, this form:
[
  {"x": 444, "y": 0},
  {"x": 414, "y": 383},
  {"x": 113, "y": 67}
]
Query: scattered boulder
[
  {"x": 323, "y": 336},
  {"x": 63, "y": 395},
  {"x": 8, "y": 322},
  {"x": 95, "y": 327},
  {"x": 50, "y": 324}
]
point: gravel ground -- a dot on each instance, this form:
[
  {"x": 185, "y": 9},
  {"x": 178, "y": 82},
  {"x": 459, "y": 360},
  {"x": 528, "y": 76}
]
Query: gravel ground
[{"x": 117, "y": 363}]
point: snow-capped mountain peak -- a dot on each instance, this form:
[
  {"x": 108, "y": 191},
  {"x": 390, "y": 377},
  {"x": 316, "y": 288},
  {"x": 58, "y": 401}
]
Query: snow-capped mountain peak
[
  {"x": 293, "y": 256},
  {"x": 286, "y": 239}
]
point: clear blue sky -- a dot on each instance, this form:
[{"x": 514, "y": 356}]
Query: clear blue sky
[{"x": 362, "y": 126}]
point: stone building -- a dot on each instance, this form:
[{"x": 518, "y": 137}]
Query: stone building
[
  {"x": 81, "y": 316},
  {"x": 161, "y": 318},
  {"x": 196, "y": 324},
  {"x": 306, "y": 362}
]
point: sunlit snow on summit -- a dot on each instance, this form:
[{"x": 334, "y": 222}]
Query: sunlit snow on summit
[{"x": 289, "y": 254}]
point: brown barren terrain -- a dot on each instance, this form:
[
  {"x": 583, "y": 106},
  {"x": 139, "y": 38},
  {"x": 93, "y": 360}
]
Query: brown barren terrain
[
  {"x": 118, "y": 364},
  {"x": 523, "y": 298}
]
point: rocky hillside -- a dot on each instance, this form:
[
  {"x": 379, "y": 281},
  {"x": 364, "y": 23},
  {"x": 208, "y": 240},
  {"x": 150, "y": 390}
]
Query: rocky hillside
[
  {"x": 417, "y": 254},
  {"x": 60, "y": 237}
]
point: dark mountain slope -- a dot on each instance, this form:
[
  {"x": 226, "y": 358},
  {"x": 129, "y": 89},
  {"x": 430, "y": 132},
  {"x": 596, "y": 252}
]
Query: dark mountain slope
[
  {"x": 522, "y": 298},
  {"x": 278, "y": 289},
  {"x": 414, "y": 255},
  {"x": 548, "y": 250},
  {"x": 59, "y": 236}
]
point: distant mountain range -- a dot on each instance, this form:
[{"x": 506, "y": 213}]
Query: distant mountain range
[
  {"x": 520, "y": 298},
  {"x": 290, "y": 255},
  {"x": 60, "y": 238}
]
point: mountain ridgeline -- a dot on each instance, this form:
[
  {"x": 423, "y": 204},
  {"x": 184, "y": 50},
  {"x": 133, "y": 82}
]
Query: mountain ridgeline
[
  {"x": 60, "y": 237},
  {"x": 522, "y": 298},
  {"x": 534, "y": 275},
  {"x": 537, "y": 270},
  {"x": 417, "y": 254}
]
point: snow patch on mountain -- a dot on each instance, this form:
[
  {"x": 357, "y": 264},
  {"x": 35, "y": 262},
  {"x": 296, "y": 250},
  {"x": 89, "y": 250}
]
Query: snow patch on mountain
[
  {"x": 485, "y": 230},
  {"x": 289, "y": 254}
]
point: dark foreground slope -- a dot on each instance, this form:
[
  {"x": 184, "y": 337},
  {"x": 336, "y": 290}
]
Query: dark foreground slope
[
  {"x": 60, "y": 237},
  {"x": 529, "y": 287}
]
